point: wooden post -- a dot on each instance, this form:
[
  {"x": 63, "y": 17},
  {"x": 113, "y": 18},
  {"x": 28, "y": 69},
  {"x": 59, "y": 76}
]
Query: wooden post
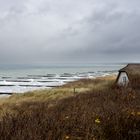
[{"x": 74, "y": 90}]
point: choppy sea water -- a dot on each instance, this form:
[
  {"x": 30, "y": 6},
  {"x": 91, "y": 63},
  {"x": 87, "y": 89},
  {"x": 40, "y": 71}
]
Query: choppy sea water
[{"x": 20, "y": 80}]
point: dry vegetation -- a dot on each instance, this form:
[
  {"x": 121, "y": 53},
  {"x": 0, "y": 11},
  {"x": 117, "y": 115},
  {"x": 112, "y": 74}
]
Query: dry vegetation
[
  {"x": 95, "y": 110},
  {"x": 135, "y": 81}
]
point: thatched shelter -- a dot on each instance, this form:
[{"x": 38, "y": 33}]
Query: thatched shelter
[{"x": 129, "y": 75}]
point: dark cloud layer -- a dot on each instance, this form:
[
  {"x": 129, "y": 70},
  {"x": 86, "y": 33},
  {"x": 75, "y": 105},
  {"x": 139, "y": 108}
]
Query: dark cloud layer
[{"x": 45, "y": 31}]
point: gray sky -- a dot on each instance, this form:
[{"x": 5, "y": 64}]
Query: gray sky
[{"x": 61, "y": 31}]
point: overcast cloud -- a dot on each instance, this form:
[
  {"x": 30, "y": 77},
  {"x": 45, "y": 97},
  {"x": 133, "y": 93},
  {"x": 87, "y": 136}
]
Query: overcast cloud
[{"x": 45, "y": 31}]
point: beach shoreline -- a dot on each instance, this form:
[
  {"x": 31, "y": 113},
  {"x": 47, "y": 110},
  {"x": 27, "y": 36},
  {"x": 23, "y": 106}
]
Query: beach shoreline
[
  {"x": 30, "y": 79},
  {"x": 8, "y": 94}
]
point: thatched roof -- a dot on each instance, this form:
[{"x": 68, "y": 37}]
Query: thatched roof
[
  {"x": 133, "y": 73},
  {"x": 131, "y": 69}
]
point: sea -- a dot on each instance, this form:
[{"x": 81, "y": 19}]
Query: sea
[{"x": 21, "y": 79}]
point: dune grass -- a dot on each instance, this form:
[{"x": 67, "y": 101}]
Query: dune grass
[
  {"x": 64, "y": 91},
  {"x": 95, "y": 110}
]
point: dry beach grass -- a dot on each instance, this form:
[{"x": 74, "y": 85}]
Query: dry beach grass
[{"x": 88, "y": 109}]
